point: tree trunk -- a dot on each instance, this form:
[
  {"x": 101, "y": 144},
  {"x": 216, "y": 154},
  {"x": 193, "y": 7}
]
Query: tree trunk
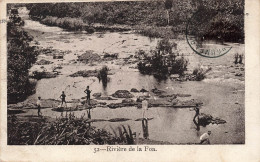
[{"x": 168, "y": 17}]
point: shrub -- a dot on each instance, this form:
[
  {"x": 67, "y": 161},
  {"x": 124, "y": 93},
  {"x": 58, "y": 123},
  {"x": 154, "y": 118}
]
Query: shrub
[
  {"x": 162, "y": 61},
  {"x": 102, "y": 75},
  {"x": 179, "y": 66},
  {"x": 200, "y": 73}
]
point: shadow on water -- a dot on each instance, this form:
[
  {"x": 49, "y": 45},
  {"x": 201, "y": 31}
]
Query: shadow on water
[{"x": 145, "y": 128}]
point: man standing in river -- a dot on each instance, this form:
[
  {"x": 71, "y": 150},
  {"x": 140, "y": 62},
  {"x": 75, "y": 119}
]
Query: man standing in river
[
  {"x": 87, "y": 91},
  {"x": 63, "y": 100},
  {"x": 38, "y": 104},
  {"x": 197, "y": 112}
]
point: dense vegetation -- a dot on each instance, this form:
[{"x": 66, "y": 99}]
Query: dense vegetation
[
  {"x": 64, "y": 131},
  {"x": 226, "y": 21},
  {"x": 20, "y": 57}
]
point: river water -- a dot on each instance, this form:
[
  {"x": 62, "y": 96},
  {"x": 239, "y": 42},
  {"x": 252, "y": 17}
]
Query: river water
[{"x": 222, "y": 92}]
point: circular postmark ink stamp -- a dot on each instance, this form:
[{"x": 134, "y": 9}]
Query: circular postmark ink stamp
[{"x": 204, "y": 35}]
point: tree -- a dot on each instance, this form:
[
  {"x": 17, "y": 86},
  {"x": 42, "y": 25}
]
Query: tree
[{"x": 168, "y": 6}]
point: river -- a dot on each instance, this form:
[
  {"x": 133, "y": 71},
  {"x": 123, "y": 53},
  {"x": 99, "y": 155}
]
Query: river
[{"x": 222, "y": 92}]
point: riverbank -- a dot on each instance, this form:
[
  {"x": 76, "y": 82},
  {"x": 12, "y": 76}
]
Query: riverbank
[
  {"x": 77, "y": 25},
  {"x": 119, "y": 16}
]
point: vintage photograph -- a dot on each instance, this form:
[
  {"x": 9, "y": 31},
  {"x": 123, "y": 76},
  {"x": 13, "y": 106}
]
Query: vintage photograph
[{"x": 148, "y": 72}]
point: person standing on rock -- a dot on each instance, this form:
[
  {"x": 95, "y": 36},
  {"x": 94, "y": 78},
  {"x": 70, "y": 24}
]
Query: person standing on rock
[
  {"x": 38, "y": 104},
  {"x": 87, "y": 91},
  {"x": 197, "y": 112},
  {"x": 144, "y": 107},
  {"x": 204, "y": 139},
  {"x": 63, "y": 100}
]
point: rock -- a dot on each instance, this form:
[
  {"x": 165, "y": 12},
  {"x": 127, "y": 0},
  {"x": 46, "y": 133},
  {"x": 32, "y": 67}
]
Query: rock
[
  {"x": 118, "y": 119},
  {"x": 109, "y": 57},
  {"x": 57, "y": 56},
  {"x": 238, "y": 74},
  {"x": 122, "y": 94},
  {"x": 143, "y": 90},
  {"x": 157, "y": 91},
  {"x": 125, "y": 103},
  {"x": 159, "y": 103},
  {"x": 134, "y": 90},
  {"x": 96, "y": 95},
  {"x": 115, "y": 105},
  {"x": 89, "y": 56},
  {"x": 43, "y": 74},
  {"x": 167, "y": 96},
  {"x": 128, "y": 100},
  {"x": 85, "y": 73},
  {"x": 141, "y": 98},
  {"x": 105, "y": 98},
  {"x": 43, "y": 62},
  {"x": 206, "y": 119},
  {"x": 187, "y": 103},
  {"x": 183, "y": 95}
]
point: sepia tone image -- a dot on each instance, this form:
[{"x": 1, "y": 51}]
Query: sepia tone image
[{"x": 126, "y": 73}]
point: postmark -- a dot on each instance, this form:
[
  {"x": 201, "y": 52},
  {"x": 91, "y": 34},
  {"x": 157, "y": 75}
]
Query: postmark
[{"x": 204, "y": 36}]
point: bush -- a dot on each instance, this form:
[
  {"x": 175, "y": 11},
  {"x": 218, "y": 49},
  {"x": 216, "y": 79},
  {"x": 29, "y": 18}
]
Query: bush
[
  {"x": 102, "y": 75},
  {"x": 162, "y": 61},
  {"x": 179, "y": 66},
  {"x": 65, "y": 22},
  {"x": 200, "y": 73}
]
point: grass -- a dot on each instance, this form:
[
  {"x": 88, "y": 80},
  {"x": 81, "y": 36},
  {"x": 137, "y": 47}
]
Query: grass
[{"x": 67, "y": 130}]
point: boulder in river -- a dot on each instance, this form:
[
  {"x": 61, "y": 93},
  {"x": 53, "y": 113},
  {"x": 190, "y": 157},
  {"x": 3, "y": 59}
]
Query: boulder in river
[
  {"x": 122, "y": 94},
  {"x": 57, "y": 56},
  {"x": 134, "y": 90},
  {"x": 115, "y": 105},
  {"x": 96, "y": 95},
  {"x": 141, "y": 98},
  {"x": 43, "y": 74},
  {"x": 89, "y": 56},
  {"x": 143, "y": 90},
  {"x": 206, "y": 119},
  {"x": 157, "y": 91},
  {"x": 125, "y": 103},
  {"x": 128, "y": 100},
  {"x": 109, "y": 57},
  {"x": 43, "y": 62},
  {"x": 187, "y": 103},
  {"x": 85, "y": 73},
  {"x": 118, "y": 119}
]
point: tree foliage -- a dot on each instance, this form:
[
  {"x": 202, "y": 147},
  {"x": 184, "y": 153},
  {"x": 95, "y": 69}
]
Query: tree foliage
[
  {"x": 20, "y": 57},
  {"x": 152, "y": 13}
]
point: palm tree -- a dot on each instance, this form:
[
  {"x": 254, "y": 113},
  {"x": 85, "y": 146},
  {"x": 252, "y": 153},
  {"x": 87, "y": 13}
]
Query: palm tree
[{"x": 168, "y": 6}]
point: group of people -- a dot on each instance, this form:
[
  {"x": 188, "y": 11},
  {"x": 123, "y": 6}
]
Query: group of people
[{"x": 63, "y": 100}]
